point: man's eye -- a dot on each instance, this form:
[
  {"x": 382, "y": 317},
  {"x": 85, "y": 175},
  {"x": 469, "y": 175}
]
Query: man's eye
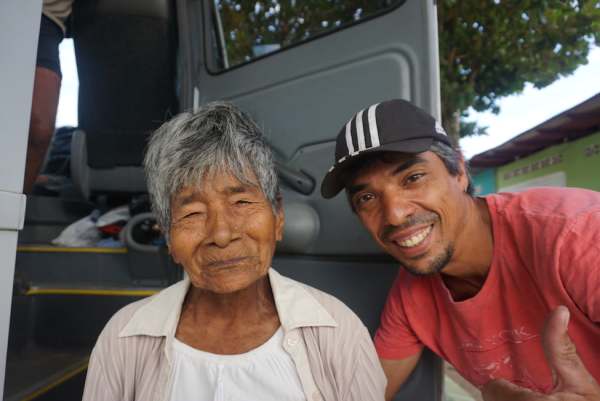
[
  {"x": 414, "y": 177},
  {"x": 363, "y": 198},
  {"x": 191, "y": 214}
]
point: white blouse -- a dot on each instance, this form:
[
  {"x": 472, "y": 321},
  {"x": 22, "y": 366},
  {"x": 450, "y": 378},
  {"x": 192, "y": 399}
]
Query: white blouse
[{"x": 266, "y": 373}]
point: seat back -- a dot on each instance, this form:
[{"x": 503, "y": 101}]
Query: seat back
[{"x": 126, "y": 61}]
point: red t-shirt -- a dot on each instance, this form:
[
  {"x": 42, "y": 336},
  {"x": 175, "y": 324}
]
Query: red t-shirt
[{"x": 546, "y": 253}]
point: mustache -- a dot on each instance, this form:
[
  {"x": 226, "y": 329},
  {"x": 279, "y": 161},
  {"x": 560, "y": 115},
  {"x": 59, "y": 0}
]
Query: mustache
[{"x": 423, "y": 218}]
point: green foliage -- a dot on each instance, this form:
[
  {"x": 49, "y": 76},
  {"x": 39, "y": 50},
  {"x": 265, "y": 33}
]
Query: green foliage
[
  {"x": 490, "y": 49},
  {"x": 470, "y": 128}
]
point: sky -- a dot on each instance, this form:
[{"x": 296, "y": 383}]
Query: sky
[
  {"x": 518, "y": 113},
  {"x": 67, "y": 102}
]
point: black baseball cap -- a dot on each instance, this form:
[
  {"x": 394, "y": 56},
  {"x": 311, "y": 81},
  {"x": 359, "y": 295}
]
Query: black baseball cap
[{"x": 394, "y": 125}]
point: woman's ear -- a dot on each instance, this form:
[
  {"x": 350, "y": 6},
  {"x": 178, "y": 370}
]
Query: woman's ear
[{"x": 279, "y": 219}]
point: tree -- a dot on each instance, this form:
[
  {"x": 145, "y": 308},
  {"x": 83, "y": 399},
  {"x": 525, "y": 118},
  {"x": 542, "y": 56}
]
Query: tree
[
  {"x": 488, "y": 48},
  {"x": 491, "y": 48}
]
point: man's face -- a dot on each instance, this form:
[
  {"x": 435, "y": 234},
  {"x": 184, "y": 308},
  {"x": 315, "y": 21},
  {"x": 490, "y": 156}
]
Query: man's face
[{"x": 412, "y": 206}]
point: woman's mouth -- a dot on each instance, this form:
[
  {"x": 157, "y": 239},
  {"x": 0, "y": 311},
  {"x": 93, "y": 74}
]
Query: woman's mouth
[{"x": 227, "y": 263}]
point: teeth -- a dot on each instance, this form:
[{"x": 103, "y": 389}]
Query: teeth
[{"x": 415, "y": 239}]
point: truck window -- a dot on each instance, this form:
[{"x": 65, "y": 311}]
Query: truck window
[{"x": 246, "y": 30}]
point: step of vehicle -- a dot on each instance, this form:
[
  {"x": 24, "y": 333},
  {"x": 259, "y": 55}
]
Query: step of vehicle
[{"x": 36, "y": 372}]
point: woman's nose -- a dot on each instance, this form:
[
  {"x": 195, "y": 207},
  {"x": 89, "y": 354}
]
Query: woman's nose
[{"x": 222, "y": 228}]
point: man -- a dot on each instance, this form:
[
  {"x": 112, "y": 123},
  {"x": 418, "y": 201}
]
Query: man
[{"x": 492, "y": 285}]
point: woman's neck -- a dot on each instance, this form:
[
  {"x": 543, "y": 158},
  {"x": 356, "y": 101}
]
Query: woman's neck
[{"x": 229, "y": 323}]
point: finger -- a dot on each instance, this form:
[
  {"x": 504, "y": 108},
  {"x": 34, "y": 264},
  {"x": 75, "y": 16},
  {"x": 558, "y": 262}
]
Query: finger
[
  {"x": 568, "y": 369},
  {"x": 502, "y": 390}
]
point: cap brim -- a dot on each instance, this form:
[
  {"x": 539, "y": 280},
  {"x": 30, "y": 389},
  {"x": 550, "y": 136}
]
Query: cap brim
[{"x": 332, "y": 182}]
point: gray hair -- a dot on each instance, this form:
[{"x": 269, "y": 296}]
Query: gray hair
[
  {"x": 218, "y": 138},
  {"x": 452, "y": 159}
]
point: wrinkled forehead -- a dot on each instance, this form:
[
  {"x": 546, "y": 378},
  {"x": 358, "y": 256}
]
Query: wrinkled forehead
[{"x": 217, "y": 179}]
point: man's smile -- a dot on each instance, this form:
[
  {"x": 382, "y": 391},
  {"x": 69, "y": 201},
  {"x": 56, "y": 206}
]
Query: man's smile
[{"x": 416, "y": 238}]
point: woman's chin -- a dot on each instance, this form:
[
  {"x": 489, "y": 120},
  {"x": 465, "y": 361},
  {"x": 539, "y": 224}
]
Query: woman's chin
[{"x": 227, "y": 281}]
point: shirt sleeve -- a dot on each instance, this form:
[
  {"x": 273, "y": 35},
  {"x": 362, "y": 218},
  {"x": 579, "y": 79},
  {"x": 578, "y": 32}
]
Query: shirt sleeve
[
  {"x": 394, "y": 338},
  {"x": 368, "y": 381},
  {"x": 97, "y": 386},
  {"x": 579, "y": 263}
]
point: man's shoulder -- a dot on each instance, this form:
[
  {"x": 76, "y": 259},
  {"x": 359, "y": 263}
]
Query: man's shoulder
[{"x": 544, "y": 203}]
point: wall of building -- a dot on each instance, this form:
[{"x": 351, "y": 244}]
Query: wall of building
[
  {"x": 484, "y": 181},
  {"x": 572, "y": 164}
]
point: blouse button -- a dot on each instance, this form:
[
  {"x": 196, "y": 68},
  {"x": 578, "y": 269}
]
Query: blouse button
[{"x": 292, "y": 342}]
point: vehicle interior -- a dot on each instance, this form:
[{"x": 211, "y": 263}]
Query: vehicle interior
[{"x": 142, "y": 61}]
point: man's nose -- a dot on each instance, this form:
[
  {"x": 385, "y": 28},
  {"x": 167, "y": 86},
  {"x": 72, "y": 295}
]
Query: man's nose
[
  {"x": 222, "y": 228},
  {"x": 396, "y": 209}
]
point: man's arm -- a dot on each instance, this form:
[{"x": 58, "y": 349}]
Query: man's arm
[{"x": 397, "y": 371}]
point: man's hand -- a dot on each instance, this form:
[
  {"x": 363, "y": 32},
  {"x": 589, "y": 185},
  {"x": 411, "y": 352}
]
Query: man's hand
[{"x": 572, "y": 381}]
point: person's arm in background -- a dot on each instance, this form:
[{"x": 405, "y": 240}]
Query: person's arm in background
[{"x": 46, "y": 89}]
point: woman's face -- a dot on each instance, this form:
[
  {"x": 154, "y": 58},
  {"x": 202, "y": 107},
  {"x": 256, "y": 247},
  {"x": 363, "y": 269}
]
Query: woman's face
[{"x": 223, "y": 233}]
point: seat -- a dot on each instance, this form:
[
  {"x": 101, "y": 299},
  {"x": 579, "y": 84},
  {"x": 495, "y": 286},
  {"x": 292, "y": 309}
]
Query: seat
[{"x": 126, "y": 61}]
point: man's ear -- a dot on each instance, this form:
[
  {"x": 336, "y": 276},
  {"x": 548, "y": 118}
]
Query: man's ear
[{"x": 463, "y": 177}]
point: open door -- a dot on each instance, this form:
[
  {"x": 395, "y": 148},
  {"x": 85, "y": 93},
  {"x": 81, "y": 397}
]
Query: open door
[
  {"x": 302, "y": 69},
  {"x": 303, "y": 90}
]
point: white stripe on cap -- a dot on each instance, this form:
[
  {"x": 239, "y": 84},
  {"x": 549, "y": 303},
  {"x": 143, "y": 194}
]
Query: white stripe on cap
[
  {"x": 349, "y": 137},
  {"x": 373, "y": 126},
  {"x": 439, "y": 129},
  {"x": 360, "y": 131}
]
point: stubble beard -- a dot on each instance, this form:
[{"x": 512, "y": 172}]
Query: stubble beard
[{"x": 438, "y": 263}]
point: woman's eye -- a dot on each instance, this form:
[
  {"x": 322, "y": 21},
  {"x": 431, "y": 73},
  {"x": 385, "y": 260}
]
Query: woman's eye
[{"x": 242, "y": 202}]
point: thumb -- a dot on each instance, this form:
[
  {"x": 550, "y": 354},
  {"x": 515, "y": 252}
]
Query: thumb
[{"x": 568, "y": 370}]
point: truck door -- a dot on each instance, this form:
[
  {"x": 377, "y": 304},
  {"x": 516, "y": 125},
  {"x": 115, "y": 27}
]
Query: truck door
[{"x": 302, "y": 68}]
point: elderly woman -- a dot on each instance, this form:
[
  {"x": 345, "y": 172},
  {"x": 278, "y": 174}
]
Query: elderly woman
[{"x": 233, "y": 329}]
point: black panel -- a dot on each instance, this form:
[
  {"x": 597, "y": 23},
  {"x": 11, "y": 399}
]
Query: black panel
[
  {"x": 71, "y": 390},
  {"x": 111, "y": 149},
  {"x": 127, "y": 68},
  {"x": 73, "y": 321}
]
